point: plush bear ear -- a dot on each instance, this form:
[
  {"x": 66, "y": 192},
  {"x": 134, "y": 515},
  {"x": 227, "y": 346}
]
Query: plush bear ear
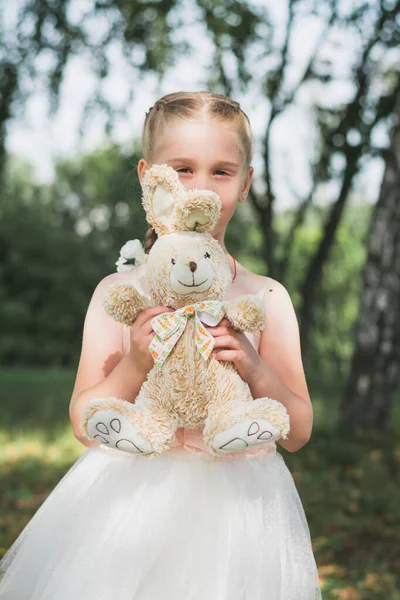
[
  {"x": 162, "y": 191},
  {"x": 169, "y": 207},
  {"x": 199, "y": 211}
]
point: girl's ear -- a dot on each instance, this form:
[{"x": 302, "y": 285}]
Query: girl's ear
[
  {"x": 162, "y": 190},
  {"x": 246, "y": 185},
  {"x": 141, "y": 168}
]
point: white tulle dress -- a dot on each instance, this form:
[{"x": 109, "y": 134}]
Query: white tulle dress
[{"x": 181, "y": 526}]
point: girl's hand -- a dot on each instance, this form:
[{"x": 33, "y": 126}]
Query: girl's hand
[
  {"x": 237, "y": 348},
  {"x": 141, "y": 334}
]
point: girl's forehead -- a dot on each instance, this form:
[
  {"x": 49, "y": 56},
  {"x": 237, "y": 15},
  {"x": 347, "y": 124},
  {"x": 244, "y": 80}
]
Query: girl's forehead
[{"x": 185, "y": 139}]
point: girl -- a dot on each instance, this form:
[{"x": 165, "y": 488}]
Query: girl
[{"x": 185, "y": 525}]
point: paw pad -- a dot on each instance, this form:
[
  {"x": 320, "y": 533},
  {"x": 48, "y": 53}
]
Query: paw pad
[
  {"x": 115, "y": 425},
  {"x": 105, "y": 427},
  {"x": 249, "y": 432}
]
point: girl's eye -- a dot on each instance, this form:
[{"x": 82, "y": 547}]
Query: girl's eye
[
  {"x": 207, "y": 255},
  {"x": 173, "y": 261},
  {"x": 187, "y": 170}
]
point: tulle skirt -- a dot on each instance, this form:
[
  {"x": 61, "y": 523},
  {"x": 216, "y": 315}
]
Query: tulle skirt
[{"x": 124, "y": 527}]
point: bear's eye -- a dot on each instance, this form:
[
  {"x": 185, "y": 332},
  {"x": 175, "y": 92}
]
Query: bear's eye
[
  {"x": 207, "y": 255},
  {"x": 173, "y": 261}
]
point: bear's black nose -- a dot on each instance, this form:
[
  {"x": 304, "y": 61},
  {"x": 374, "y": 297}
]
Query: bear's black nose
[{"x": 193, "y": 266}]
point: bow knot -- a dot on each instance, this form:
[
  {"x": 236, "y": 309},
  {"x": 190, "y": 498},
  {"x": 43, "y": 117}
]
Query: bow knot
[{"x": 170, "y": 326}]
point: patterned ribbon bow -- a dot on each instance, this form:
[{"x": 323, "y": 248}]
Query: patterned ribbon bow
[{"x": 169, "y": 327}]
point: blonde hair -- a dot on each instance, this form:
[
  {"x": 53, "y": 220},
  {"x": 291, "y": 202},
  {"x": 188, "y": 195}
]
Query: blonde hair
[{"x": 191, "y": 105}]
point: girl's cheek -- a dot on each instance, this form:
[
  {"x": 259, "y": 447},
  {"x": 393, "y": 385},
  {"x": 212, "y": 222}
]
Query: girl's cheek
[{"x": 227, "y": 211}]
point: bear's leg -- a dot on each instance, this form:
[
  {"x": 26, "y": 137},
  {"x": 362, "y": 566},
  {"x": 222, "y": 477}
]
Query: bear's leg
[
  {"x": 141, "y": 428},
  {"x": 235, "y": 421},
  {"x": 156, "y": 420},
  {"x": 110, "y": 421}
]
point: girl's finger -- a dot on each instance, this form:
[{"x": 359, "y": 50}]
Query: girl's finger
[
  {"x": 152, "y": 311},
  {"x": 231, "y": 355},
  {"x": 220, "y": 330},
  {"x": 226, "y": 341},
  {"x": 146, "y": 329},
  {"x": 225, "y": 322},
  {"x": 144, "y": 319}
]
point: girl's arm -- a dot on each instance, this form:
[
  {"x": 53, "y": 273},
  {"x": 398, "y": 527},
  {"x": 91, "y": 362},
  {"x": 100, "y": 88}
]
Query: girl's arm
[
  {"x": 102, "y": 370},
  {"x": 276, "y": 371},
  {"x": 281, "y": 375}
]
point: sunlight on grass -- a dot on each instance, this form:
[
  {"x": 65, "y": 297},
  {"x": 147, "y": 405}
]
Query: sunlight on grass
[{"x": 65, "y": 448}]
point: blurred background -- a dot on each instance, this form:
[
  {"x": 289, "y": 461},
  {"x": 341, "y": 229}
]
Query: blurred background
[{"x": 320, "y": 82}]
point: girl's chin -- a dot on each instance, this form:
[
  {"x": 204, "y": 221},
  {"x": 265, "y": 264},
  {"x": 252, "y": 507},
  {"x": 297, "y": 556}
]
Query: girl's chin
[
  {"x": 217, "y": 234},
  {"x": 219, "y": 229}
]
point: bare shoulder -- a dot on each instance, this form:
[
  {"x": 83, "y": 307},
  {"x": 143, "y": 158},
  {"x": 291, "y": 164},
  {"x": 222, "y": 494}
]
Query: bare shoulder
[
  {"x": 271, "y": 289},
  {"x": 96, "y": 315},
  {"x": 277, "y": 298},
  {"x": 111, "y": 279},
  {"x": 281, "y": 320}
]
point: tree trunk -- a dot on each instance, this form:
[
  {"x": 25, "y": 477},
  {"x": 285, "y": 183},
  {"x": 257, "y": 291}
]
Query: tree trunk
[
  {"x": 374, "y": 373},
  {"x": 313, "y": 277}
]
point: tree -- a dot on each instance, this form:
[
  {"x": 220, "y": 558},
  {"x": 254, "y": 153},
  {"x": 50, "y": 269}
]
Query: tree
[
  {"x": 348, "y": 132},
  {"x": 375, "y": 367},
  {"x": 145, "y": 33},
  {"x": 344, "y": 130}
]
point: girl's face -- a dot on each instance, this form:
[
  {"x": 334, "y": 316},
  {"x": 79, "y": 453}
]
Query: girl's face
[{"x": 207, "y": 156}]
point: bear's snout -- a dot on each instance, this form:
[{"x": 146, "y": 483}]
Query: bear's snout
[{"x": 193, "y": 266}]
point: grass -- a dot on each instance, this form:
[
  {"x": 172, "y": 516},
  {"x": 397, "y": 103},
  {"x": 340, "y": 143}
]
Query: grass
[{"x": 349, "y": 488}]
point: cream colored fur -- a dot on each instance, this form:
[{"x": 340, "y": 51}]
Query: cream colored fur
[{"x": 187, "y": 391}]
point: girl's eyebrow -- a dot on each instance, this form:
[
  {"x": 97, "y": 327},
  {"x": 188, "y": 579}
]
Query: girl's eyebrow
[{"x": 220, "y": 163}]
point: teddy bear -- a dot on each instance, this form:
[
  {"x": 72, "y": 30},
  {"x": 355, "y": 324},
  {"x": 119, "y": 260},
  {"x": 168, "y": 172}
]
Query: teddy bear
[{"x": 186, "y": 269}]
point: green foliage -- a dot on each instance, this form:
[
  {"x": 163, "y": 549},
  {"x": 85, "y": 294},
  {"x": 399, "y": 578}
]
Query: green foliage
[
  {"x": 101, "y": 194},
  {"x": 34, "y": 402},
  {"x": 243, "y": 239},
  {"x": 57, "y": 242},
  {"x": 332, "y": 338},
  {"x": 237, "y": 29},
  {"x": 38, "y": 264}
]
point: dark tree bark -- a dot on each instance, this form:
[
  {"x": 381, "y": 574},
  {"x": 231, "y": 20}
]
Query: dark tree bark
[
  {"x": 8, "y": 86},
  {"x": 315, "y": 270},
  {"x": 374, "y": 375}
]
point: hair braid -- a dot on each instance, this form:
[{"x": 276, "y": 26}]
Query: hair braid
[{"x": 151, "y": 237}]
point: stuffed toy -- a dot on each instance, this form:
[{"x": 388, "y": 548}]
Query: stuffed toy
[{"x": 186, "y": 270}]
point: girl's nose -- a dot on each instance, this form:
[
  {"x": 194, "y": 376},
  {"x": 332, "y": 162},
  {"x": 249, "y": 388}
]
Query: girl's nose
[
  {"x": 192, "y": 266},
  {"x": 201, "y": 183}
]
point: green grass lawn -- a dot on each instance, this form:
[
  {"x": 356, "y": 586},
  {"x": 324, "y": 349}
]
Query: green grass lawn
[{"x": 349, "y": 488}]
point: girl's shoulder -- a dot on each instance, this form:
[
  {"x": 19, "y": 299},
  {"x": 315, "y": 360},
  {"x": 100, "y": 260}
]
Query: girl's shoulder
[
  {"x": 247, "y": 282},
  {"x": 275, "y": 297},
  {"x": 96, "y": 313},
  {"x": 135, "y": 276}
]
